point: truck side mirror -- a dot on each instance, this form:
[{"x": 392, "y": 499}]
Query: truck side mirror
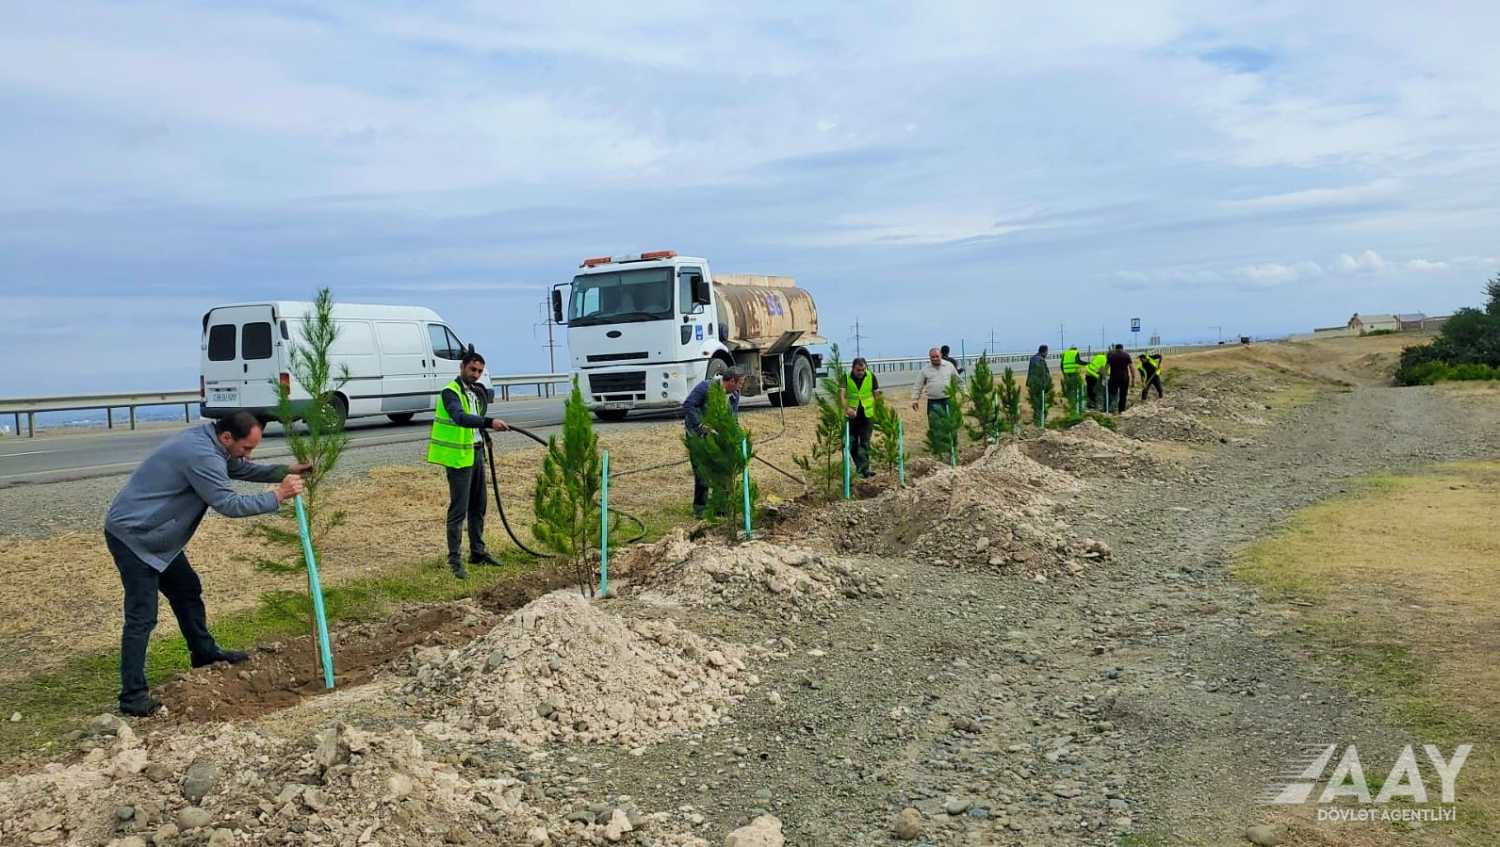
[
  {"x": 701, "y": 294},
  {"x": 557, "y": 315}
]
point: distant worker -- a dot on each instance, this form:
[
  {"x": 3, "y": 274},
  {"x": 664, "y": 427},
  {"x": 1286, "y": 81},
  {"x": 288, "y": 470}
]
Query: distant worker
[
  {"x": 862, "y": 389},
  {"x": 1093, "y": 375},
  {"x": 1121, "y": 374},
  {"x": 692, "y": 420},
  {"x": 1038, "y": 382},
  {"x": 1149, "y": 366},
  {"x": 933, "y": 381},
  {"x": 1070, "y": 365},
  {"x": 457, "y": 444},
  {"x": 151, "y": 520},
  {"x": 957, "y": 368}
]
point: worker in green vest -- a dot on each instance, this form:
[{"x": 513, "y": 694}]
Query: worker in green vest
[
  {"x": 1093, "y": 374},
  {"x": 458, "y": 446},
  {"x": 860, "y": 390},
  {"x": 1070, "y": 368}
]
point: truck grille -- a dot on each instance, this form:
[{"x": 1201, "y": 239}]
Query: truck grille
[
  {"x": 619, "y": 357},
  {"x": 628, "y": 382}
]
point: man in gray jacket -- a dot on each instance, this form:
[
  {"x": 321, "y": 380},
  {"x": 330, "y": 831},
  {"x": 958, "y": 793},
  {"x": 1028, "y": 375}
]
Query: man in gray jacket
[{"x": 149, "y": 525}]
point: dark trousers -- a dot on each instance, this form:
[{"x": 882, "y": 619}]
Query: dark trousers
[
  {"x": 1092, "y": 383},
  {"x": 700, "y": 492},
  {"x": 860, "y": 429},
  {"x": 1152, "y": 380},
  {"x": 179, "y": 582},
  {"x": 466, "y": 500},
  {"x": 1119, "y": 394}
]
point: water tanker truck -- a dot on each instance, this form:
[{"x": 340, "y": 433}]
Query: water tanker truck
[{"x": 644, "y": 329}]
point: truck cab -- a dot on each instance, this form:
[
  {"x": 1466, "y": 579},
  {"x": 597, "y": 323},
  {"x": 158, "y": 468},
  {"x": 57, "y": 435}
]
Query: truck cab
[{"x": 644, "y": 329}]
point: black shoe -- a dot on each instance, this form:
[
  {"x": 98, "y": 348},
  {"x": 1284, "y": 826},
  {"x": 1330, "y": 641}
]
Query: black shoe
[
  {"x": 233, "y": 657},
  {"x": 483, "y": 559},
  {"x": 697, "y": 514},
  {"x": 456, "y": 565},
  {"x": 141, "y": 707}
]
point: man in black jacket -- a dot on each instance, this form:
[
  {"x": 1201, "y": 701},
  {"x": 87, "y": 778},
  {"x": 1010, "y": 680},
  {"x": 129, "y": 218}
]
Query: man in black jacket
[
  {"x": 458, "y": 445},
  {"x": 692, "y": 420}
]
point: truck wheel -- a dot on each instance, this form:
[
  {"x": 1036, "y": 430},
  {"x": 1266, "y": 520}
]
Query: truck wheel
[
  {"x": 799, "y": 383},
  {"x": 401, "y": 418},
  {"x": 716, "y": 369},
  {"x": 611, "y": 415}
]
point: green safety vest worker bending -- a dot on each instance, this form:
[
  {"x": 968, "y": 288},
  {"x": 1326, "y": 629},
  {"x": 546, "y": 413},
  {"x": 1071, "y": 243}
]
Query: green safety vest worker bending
[
  {"x": 1149, "y": 366},
  {"x": 1092, "y": 373},
  {"x": 457, "y": 444},
  {"x": 1070, "y": 360}
]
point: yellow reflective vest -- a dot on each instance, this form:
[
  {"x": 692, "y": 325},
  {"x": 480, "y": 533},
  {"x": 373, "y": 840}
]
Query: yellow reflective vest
[
  {"x": 1070, "y": 360},
  {"x": 1095, "y": 367},
  {"x": 451, "y": 445},
  {"x": 863, "y": 395}
]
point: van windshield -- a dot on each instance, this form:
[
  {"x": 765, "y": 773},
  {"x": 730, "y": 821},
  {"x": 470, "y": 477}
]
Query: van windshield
[{"x": 621, "y": 297}]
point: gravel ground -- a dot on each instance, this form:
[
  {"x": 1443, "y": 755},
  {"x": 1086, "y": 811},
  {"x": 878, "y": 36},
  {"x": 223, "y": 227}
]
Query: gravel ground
[{"x": 1144, "y": 696}]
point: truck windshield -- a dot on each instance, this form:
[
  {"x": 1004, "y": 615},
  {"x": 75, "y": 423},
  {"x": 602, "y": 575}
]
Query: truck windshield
[{"x": 623, "y": 297}]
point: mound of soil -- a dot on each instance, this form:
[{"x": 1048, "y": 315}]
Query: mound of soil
[
  {"x": 772, "y": 579},
  {"x": 1090, "y": 450},
  {"x": 1161, "y": 422},
  {"x": 562, "y": 669},
  {"x": 232, "y": 785}
]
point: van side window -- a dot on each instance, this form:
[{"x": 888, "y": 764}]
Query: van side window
[
  {"x": 255, "y": 341},
  {"x": 221, "y": 343},
  {"x": 442, "y": 345}
]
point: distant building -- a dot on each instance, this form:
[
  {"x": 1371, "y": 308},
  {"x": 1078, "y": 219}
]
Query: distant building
[
  {"x": 1412, "y": 322},
  {"x": 1366, "y": 324},
  {"x": 1432, "y": 323},
  {"x": 1332, "y": 331}
]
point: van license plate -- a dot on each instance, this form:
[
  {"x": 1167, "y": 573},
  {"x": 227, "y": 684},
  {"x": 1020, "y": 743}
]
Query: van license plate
[
  {"x": 617, "y": 405},
  {"x": 224, "y": 396}
]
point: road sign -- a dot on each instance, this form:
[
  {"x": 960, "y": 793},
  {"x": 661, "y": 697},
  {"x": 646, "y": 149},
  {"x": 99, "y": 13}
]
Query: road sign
[{"x": 1135, "y": 324}]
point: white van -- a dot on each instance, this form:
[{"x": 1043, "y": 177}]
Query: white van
[{"x": 399, "y": 358}]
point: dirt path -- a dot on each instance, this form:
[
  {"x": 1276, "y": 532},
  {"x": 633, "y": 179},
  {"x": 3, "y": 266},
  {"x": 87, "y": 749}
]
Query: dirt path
[{"x": 1143, "y": 696}]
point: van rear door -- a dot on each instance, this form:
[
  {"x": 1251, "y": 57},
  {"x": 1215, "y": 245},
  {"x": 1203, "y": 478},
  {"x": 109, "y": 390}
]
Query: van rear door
[{"x": 240, "y": 365}]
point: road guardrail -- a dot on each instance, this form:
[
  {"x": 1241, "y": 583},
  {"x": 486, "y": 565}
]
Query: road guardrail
[{"x": 32, "y": 406}]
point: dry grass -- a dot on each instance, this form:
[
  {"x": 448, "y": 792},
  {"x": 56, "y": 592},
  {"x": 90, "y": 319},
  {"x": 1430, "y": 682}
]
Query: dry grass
[
  {"x": 394, "y": 517},
  {"x": 1402, "y": 584}
]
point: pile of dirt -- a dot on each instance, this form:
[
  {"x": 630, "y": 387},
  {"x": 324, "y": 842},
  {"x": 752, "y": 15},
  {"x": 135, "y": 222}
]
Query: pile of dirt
[
  {"x": 759, "y": 576},
  {"x": 1003, "y": 512},
  {"x": 561, "y": 669},
  {"x": 283, "y": 673},
  {"x": 1090, "y": 450},
  {"x": 1162, "y": 422},
  {"x": 240, "y": 786}
]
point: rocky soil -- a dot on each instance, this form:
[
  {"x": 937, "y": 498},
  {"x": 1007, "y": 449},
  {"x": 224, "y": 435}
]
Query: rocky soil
[{"x": 1007, "y": 653}]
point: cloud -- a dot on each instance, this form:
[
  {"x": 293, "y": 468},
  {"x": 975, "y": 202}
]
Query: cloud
[
  {"x": 1367, "y": 262},
  {"x": 1425, "y": 265},
  {"x": 1272, "y": 274},
  {"x": 1322, "y": 197}
]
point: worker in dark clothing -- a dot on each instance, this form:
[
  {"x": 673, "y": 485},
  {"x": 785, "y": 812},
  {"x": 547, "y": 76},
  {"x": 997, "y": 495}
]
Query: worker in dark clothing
[
  {"x": 457, "y": 444},
  {"x": 1149, "y": 367},
  {"x": 950, "y": 360},
  {"x": 692, "y": 420},
  {"x": 1121, "y": 374},
  {"x": 861, "y": 391}
]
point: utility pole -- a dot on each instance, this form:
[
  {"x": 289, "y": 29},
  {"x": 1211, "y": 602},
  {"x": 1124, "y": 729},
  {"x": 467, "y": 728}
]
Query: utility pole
[
  {"x": 993, "y": 348},
  {"x": 551, "y": 345},
  {"x": 1221, "y": 333},
  {"x": 857, "y": 338},
  {"x": 1061, "y": 343}
]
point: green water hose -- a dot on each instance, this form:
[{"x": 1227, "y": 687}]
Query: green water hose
[{"x": 489, "y": 447}]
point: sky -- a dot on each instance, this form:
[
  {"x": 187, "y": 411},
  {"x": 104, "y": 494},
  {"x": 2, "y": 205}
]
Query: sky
[{"x": 937, "y": 172}]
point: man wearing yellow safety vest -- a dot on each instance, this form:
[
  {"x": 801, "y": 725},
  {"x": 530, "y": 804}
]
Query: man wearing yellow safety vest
[
  {"x": 458, "y": 446},
  {"x": 1149, "y": 365},
  {"x": 1093, "y": 374},
  {"x": 860, "y": 391},
  {"x": 1070, "y": 366}
]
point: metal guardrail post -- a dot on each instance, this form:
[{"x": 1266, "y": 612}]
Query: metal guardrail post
[
  {"x": 132, "y": 418},
  {"x": 109, "y": 418}
]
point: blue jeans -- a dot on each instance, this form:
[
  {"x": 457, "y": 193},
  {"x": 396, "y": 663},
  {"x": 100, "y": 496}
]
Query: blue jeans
[{"x": 179, "y": 582}]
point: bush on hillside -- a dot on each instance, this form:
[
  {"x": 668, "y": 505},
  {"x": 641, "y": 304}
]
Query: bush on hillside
[{"x": 1470, "y": 337}]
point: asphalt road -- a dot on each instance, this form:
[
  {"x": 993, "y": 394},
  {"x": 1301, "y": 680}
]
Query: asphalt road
[{"x": 44, "y": 460}]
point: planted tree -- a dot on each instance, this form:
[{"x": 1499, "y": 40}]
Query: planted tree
[
  {"x": 1010, "y": 400},
  {"x": 886, "y": 449},
  {"x": 944, "y": 427},
  {"x": 319, "y": 442},
  {"x": 1072, "y": 389},
  {"x": 720, "y": 457},
  {"x": 566, "y": 498},
  {"x": 823, "y": 465},
  {"x": 984, "y": 401}
]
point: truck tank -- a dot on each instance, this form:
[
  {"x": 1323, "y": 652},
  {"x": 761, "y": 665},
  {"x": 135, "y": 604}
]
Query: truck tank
[{"x": 755, "y": 310}]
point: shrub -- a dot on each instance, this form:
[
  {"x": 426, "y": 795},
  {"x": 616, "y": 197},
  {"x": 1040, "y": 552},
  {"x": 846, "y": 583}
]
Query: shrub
[
  {"x": 824, "y": 464},
  {"x": 985, "y": 404},
  {"x": 566, "y": 497},
  {"x": 885, "y": 450},
  {"x": 720, "y": 458}
]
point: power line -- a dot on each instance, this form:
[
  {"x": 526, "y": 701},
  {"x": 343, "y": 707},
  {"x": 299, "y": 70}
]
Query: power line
[{"x": 858, "y": 338}]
